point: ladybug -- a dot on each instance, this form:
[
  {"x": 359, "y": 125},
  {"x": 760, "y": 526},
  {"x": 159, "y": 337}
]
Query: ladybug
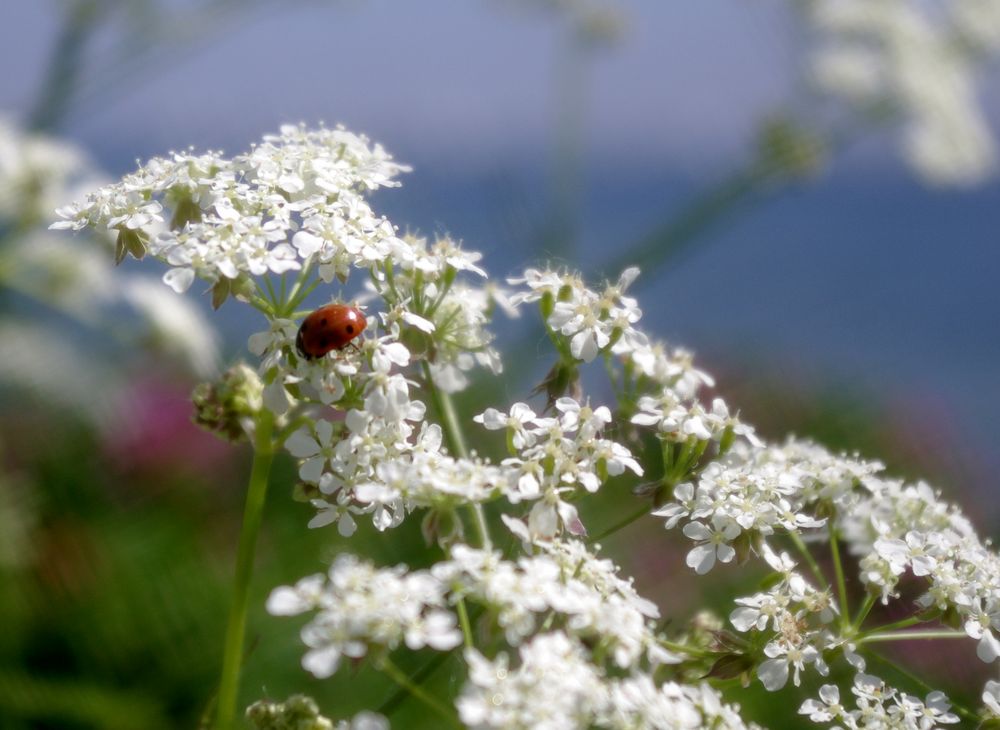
[{"x": 331, "y": 327}]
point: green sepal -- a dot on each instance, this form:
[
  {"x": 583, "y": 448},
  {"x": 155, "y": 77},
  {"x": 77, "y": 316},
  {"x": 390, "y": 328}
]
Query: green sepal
[
  {"x": 185, "y": 211},
  {"x": 129, "y": 241},
  {"x": 730, "y": 666},
  {"x": 220, "y": 292},
  {"x": 545, "y": 305}
]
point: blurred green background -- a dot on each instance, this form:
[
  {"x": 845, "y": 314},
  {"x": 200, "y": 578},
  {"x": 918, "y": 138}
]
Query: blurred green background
[{"x": 855, "y": 306}]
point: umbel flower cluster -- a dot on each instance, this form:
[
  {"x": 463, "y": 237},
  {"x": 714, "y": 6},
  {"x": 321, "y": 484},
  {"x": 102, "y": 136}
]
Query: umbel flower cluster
[
  {"x": 551, "y": 634},
  {"x": 915, "y": 65}
]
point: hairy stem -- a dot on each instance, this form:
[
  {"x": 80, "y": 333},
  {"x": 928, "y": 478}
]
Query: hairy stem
[{"x": 232, "y": 656}]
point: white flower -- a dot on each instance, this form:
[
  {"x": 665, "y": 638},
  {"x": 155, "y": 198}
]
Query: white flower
[
  {"x": 827, "y": 709},
  {"x": 991, "y": 698},
  {"x": 773, "y": 672},
  {"x": 713, "y": 543},
  {"x": 316, "y": 447}
]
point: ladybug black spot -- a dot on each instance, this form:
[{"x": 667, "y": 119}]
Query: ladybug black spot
[
  {"x": 350, "y": 329},
  {"x": 322, "y": 322},
  {"x": 323, "y": 343}
]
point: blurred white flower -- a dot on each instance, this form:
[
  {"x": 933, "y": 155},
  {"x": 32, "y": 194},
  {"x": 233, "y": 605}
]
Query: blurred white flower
[{"x": 918, "y": 63}]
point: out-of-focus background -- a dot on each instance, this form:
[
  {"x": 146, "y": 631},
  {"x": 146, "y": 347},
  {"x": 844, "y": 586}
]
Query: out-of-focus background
[{"x": 818, "y": 224}]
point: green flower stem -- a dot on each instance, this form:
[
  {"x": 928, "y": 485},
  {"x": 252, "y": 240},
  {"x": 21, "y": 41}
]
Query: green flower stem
[
  {"x": 299, "y": 295},
  {"x": 838, "y": 568},
  {"x": 262, "y": 305},
  {"x": 690, "y": 650},
  {"x": 908, "y": 635},
  {"x": 810, "y": 560},
  {"x": 418, "y": 678},
  {"x": 397, "y": 675},
  {"x": 621, "y": 524},
  {"x": 81, "y": 20},
  {"x": 894, "y": 626},
  {"x": 232, "y": 656},
  {"x": 463, "y": 619},
  {"x": 865, "y": 609},
  {"x": 456, "y": 443},
  {"x": 677, "y": 235}
]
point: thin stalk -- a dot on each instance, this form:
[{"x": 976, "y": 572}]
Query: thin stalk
[
  {"x": 399, "y": 677},
  {"x": 463, "y": 619},
  {"x": 297, "y": 297},
  {"x": 893, "y": 666},
  {"x": 456, "y": 442},
  {"x": 810, "y": 560},
  {"x": 838, "y": 569},
  {"x": 65, "y": 70},
  {"x": 387, "y": 707},
  {"x": 263, "y": 306},
  {"x": 232, "y": 655},
  {"x": 908, "y": 635},
  {"x": 682, "y": 649},
  {"x": 865, "y": 609},
  {"x": 559, "y": 234},
  {"x": 895, "y": 625},
  {"x": 677, "y": 235},
  {"x": 621, "y": 524}
]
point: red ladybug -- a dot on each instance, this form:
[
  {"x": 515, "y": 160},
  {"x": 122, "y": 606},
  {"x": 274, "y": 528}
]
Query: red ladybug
[{"x": 329, "y": 328}]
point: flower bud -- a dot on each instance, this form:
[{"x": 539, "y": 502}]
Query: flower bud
[
  {"x": 793, "y": 150},
  {"x": 298, "y": 712},
  {"x": 227, "y": 404}
]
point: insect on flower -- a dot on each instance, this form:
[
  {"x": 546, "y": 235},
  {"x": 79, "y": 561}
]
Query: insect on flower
[{"x": 331, "y": 327}]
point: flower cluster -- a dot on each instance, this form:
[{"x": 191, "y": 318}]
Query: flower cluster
[
  {"x": 879, "y": 705},
  {"x": 904, "y": 528},
  {"x": 359, "y": 606},
  {"x": 919, "y": 64},
  {"x": 554, "y": 456},
  {"x": 554, "y": 686},
  {"x": 229, "y": 219},
  {"x": 589, "y": 321},
  {"x": 595, "y": 604},
  {"x": 794, "y": 615},
  {"x": 756, "y": 492},
  {"x": 449, "y": 319}
]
